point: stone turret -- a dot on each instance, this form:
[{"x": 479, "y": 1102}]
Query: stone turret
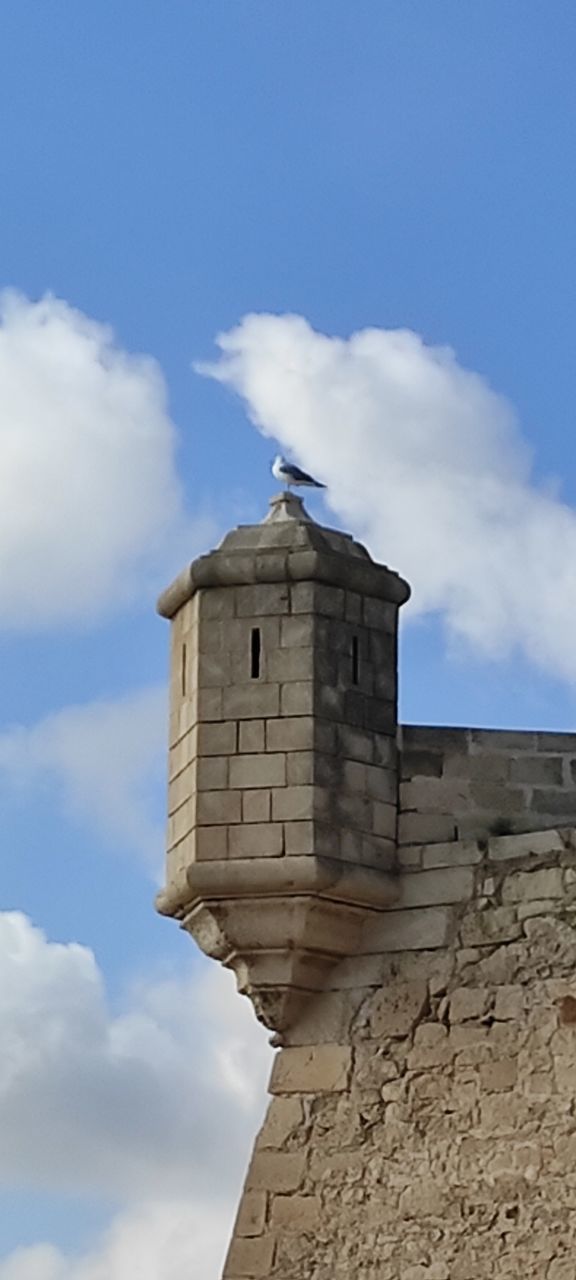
[{"x": 283, "y": 777}]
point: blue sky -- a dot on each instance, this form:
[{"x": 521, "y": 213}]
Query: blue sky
[{"x": 167, "y": 170}]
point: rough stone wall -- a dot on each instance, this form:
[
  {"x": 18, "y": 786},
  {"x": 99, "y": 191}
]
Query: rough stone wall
[
  {"x": 423, "y": 1119},
  {"x": 457, "y": 783}
]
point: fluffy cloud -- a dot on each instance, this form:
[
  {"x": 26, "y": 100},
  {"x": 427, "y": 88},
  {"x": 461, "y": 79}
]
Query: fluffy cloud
[
  {"x": 164, "y": 1240},
  {"x": 426, "y": 463},
  {"x": 156, "y": 1102},
  {"x": 89, "y": 501},
  {"x": 102, "y": 760}
]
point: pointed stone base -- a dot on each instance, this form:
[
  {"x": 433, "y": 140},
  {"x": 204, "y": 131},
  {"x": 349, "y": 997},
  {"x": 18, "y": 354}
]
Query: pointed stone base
[{"x": 281, "y": 925}]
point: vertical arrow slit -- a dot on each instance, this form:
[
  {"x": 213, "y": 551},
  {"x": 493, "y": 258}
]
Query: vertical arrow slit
[{"x": 255, "y": 651}]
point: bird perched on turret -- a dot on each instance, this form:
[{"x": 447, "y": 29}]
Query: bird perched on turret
[{"x": 290, "y": 475}]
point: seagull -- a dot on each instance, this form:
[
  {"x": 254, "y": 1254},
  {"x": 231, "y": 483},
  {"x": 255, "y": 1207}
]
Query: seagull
[{"x": 288, "y": 474}]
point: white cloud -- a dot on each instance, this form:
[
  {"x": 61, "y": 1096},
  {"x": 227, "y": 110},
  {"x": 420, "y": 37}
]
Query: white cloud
[
  {"x": 102, "y": 762},
  {"x": 163, "y": 1240},
  {"x": 89, "y": 500},
  {"x": 155, "y": 1103},
  {"x": 427, "y": 464}
]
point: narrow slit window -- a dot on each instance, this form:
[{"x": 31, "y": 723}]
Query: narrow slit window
[
  {"x": 255, "y": 652},
  {"x": 183, "y": 671},
  {"x": 355, "y": 661}
]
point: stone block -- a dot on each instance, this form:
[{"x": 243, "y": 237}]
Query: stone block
[
  {"x": 211, "y": 843},
  {"x": 333, "y": 703},
  {"x": 457, "y": 853},
  {"x": 509, "y": 1003},
  {"x": 508, "y": 848},
  {"x": 297, "y": 632},
  {"x": 489, "y": 928},
  {"x": 468, "y": 1003},
  {"x": 292, "y": 733},
  {"x": 217, "y": 739},
  {"x": 251, "y": 736},
  {"x": 353, "y": 607},
  {"x": 381, "y": 784},
  {"x": 384, "y": 819},
  {"x": 296, "y": 1213},
  {"x": 296, "y": 699},
  {"x": 384, "y": 750},
  {"x": 248, "y": 1259},
  {"x": 322, "y": 1068},
  {"x": 299, "y": 838},
  {"x": 478, "y": 768},
  {"x": 432, "y": 1047},
  {"x": 216, "y": 602},
  {"x": 541, "y": 770},
  {"x": 263, "y": 770},
  {"x": 328, "y": 601},
  {"x": 276, "y": 1170},
  {"x": 356, "y": 744},
  {"x": 396, "y": 1009},
  {"x": 431, "y": 888},
  {"x": 213, "y": 635},
  {"x": 209, "y": 704},
  {"x": 416, "y": 737},
  {"x": 435, "y": 795},
  {"x": 251, "y": 1214},
  {"x": 292, "y": 804},
  {"x": 499, "y": 1075},
  {"x": 561, "y": 803},
  {"x": 182, "y": 787},
  {"x": 375, "y": 714},
  {"x": 500, "y": 800},
  {"x": 256, "y": 806},
  {"x": 256, "y": 840},
  {"x": 182, "y": 753},
  {"x": 503, "y": 739},
  {"x": 425, "y": 828},
  {"x": 302, "y": 597},
  {"x": 409, "y": 930},
  {"x": 303, "y": 768},
  {"x": 291, "y": 664},
  {"x": 251, "y": 701},
  {"x": 522, "y": 886},
  {"x": 380, "y": 614},
  {"x": 563, "y": 742},
  {"x": 283, "y": 1118},
  {"x": 354, "y": 776},
  {"x": 215, "y": 807},
  {"x": 261, "y": 599},
  {"x": 181, "y": 822},
  {"x": 213, "y": 669},
  {"x": 212, "y": 773}
]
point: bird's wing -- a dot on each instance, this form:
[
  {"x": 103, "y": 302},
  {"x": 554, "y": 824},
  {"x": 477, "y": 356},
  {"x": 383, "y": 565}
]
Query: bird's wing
[{"x": 297, "y": 474}]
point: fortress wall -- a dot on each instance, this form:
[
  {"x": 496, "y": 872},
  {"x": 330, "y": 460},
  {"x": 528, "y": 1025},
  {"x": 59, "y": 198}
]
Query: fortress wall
[
  {"x": 459, "y": 783},
  {"x": 423, "y": 1118}
]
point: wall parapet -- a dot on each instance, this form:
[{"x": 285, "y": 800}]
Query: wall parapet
[{"x": 458, "y": 783}]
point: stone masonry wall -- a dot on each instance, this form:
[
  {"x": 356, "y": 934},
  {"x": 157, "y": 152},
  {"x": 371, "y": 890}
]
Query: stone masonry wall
[
  {"x": 457, "y": 783},
  {"x": 423, "y": 1118},
  {"x": 288, "y": 748}
]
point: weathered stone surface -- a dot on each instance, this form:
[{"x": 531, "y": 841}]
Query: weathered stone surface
[
  {"x": 396, "y": 1010},
  {"x": 413, "y": 930},
  {"x": 276, "y": 1171},
  {"x": 249, "y": 1259},
  {"x": 321, "y": 1068},
  {"x": 429, "y": 888},
  {"x": 252, "y": 1214}
]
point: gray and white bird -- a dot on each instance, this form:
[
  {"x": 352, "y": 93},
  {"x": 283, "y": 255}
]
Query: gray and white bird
[{"x": 289, "y": 475}]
